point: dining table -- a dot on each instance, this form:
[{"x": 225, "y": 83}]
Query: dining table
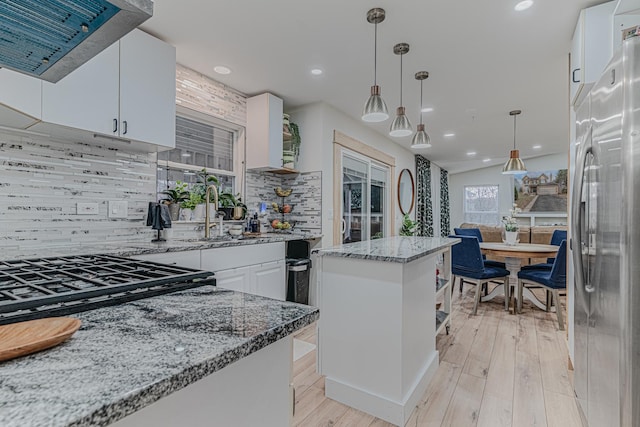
[{"x": 513, "y": 255}]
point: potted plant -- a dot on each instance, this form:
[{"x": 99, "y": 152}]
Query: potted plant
[
  {"x": 408, "y": 226},
  {"x": 188, "y": 206},
  {"x": 232, "y": 206},
  {"x": 175, "y": 196},
  {"x": 511, "y": 226},
  {"x": 295, "y": 140}
]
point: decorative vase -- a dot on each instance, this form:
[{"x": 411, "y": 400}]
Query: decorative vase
[
  {"x": 511, "y": 238},
  {"x": 198, "y": 212},
  {"x": 186, "y": 214},
  {"x": 238, "y": 213},
  {"x": 174, "y": 211}
]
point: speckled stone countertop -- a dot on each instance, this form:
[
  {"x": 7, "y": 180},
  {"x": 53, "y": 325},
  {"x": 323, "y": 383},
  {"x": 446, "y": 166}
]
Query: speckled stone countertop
[
  {"x": 126, "y": 357},
  {"x": 390, "y": 249},
  {"x": 127, "y": 249}
]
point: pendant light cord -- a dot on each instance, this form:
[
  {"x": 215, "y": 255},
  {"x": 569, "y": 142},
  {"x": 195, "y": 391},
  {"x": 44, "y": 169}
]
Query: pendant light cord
[
  {"x": 401, "y": 55},
  {"x": 514, "y": 132},
  {"x": 375, "y": 56},
  {"x": 421, "y": 81}
]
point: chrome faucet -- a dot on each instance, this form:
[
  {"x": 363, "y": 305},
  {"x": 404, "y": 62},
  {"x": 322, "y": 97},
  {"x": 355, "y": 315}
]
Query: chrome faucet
[{"x": 207, "y": 214}]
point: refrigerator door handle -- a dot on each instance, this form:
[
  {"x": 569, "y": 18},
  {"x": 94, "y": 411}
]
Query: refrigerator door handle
[{"x": 582, "y": 288}]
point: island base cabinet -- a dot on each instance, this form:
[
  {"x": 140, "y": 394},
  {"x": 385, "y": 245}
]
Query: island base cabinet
[
  {"x": 377, "y": 337},
  {"x": 254, "y": 391}
]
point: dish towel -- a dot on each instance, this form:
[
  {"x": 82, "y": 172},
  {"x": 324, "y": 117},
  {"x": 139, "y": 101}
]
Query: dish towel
[{"x": 158, "y": 216}]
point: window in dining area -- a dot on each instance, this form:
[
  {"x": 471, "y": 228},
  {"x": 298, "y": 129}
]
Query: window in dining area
[{"x": 481, "y": 204}]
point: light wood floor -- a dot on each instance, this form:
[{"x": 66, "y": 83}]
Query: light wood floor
[{"x": 496, "y": 369}]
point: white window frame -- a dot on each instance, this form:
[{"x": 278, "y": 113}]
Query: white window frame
[
  {"x": 464, "y": 203},
  {"x": 238, "y": 148}
]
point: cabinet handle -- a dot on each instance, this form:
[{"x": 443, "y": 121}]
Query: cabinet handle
[
  {"x": 573, "y": 76},
  {"x": 115, "y": 125},
  {"x": 124, "y": 127}
]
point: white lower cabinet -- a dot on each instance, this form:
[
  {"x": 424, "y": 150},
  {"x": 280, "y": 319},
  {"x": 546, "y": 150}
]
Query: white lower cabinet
[
  {"x": 267, "y": 280},
  {"x": 188, "y": 259}
]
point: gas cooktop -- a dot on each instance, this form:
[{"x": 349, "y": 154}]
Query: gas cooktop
[{"x": 43, "y": 287}]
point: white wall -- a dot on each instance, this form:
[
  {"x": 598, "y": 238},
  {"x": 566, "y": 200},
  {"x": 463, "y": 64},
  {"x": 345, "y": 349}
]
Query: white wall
[
  {"x": 493, "y": 176},
  {"x": 317, "y": 123}
]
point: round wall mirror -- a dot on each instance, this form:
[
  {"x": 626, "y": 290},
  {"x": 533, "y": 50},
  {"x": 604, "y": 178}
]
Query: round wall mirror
[{"x": 406, "y": 191}]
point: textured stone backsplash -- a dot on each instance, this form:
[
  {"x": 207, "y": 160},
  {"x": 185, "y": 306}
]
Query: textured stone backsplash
[
  {"x": 306, "y": 198},
  {"x": 42, "y": 180}
]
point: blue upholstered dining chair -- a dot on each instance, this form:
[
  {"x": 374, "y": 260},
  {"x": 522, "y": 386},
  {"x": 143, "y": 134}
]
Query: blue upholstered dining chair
[
  {"x": 552, "y": 280},
  {"x": 556, "y": 238},
  {"x": 475, "y": 232},
  {"x": 467, "y": 264}
]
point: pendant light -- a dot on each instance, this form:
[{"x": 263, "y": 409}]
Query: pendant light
[
  {"x": 421, "y": 138},
  {"x": 401, "y": 125},
  {"x": 375, "y": 110},
  {"x": 514, "y": 165}
]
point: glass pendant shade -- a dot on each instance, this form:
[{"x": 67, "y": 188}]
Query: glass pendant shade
[
  {"x": 375, "y": 110},
  {"x": 401, "y": 126},
  {"x": 421, "y": 139},
  {"x": 514, "y": 165}
]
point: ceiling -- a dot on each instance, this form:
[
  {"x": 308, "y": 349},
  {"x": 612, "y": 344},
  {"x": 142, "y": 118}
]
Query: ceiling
[{"x": 484, "y": 59}]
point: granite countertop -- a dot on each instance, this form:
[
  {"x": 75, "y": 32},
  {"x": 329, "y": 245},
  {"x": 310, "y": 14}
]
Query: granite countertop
[
  {"x": 127, "y": 249},
  {"x": 390, "y": 249},
  {"x": 126, "y": 357}
]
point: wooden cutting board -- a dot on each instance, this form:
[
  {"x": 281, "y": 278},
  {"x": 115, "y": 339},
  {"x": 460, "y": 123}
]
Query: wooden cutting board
[{"x": 22, "y": 338}]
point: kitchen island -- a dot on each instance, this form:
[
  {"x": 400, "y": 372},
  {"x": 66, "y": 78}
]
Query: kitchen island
[
  {"x": 376, "y": 343},
  {"x": 198, "y": 357}
]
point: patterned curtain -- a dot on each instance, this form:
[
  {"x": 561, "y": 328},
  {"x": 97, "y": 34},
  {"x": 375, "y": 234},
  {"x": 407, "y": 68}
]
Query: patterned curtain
[
  {"x": 424, "y": 208},
  {"x": 445, "y": 226}
]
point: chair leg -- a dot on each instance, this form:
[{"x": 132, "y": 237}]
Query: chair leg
[
  {"x": 548, "y": 295},
  {"x": 556, "y": 302},
  {"x": 507, "y": 293},
  {"x": 520, "y": 286},
  {"x": 477, "y": 299},
  {"x": 461, "y": 283},
  {"x": 486, "y": 289}
]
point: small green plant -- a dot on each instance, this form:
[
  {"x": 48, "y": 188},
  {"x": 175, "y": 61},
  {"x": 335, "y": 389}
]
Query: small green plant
[
  {"x": 295, "y": 139},
  {"x": 408, "y": 226},
  {"x": 176, "y": 194},
  {"x": 204, "y": 180},
  {"x": 194, "y": 200}
]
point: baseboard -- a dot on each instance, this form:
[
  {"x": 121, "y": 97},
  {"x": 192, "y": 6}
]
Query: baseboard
[{"x": 391, "y": 411}]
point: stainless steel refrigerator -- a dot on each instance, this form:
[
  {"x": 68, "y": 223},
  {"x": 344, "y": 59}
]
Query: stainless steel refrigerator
[{"x": 606, "y": 245}]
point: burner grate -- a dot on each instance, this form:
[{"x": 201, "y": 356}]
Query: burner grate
[{"x": 40, "y": 287}]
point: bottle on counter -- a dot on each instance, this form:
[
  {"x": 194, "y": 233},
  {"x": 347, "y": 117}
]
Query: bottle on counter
[{"x": 255, "y": 224}]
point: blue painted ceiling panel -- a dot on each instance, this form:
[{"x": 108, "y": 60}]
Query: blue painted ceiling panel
[{"x": 35, "y": 34}]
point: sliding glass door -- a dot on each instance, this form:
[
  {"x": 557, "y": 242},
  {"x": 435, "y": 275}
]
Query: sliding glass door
[{"x": 364, "y": 198}]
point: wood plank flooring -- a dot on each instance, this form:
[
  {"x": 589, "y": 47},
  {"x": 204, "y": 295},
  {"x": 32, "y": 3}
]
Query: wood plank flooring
[{"x": 496, "y": 370}]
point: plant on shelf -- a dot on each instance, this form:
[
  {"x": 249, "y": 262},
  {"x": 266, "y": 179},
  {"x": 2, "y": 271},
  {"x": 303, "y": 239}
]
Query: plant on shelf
[
  {"x": 295, "y": 139},
  {"x": 408, "y": 226},
  {"x": 175, "y": 196},
  {"x": 232, "y": 205},
  {"x": 194, "y": 200},
  {"x": 204, "y": 180}
]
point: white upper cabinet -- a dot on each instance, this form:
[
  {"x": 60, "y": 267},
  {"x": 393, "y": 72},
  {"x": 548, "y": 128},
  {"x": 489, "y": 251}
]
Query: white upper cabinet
[
  {"x": 147, "y": 89},
  {"x": 264, "y": 132},
  {"x": 126, "y": 91},
  {"x": 591, "y": 49},
  {"x": 87, "y": 98},
  {"x": 20, "y": 99}
]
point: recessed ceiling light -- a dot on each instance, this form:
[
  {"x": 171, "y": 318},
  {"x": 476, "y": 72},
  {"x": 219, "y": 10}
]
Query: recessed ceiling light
[
  {"x": 471, "y": 153},
  {"x": 221, "y": 69},
  {"x": 523, "y": 5},
  {"x": 427, "y": 109},
  {"x": 486, "y": 160},
  {"x": 449, "y": 135},
  {"x": 537, "y": 147},
  {"x": 316, "y": 71}
]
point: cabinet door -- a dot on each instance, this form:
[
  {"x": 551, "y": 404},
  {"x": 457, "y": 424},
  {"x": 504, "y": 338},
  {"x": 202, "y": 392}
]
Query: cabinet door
[
  {"x": 235, "y": 279},
  {"x": 269, "y": 280},
  {"x": 147, "y": 89},
  {"x": 22, "y": 95},
  {"x": 87, "y": 98}
]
